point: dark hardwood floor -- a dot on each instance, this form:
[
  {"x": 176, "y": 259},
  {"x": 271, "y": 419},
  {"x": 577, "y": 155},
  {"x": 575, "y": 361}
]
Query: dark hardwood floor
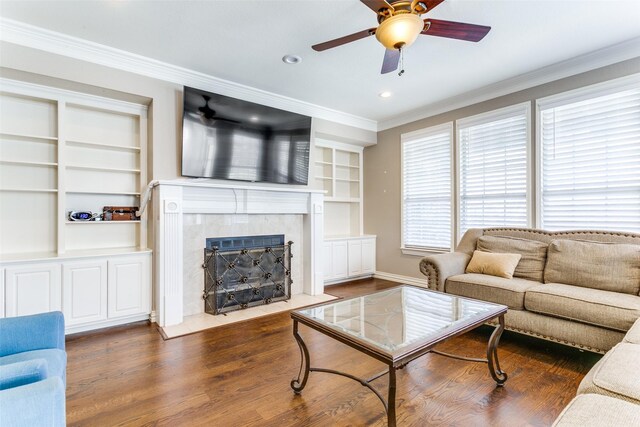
[{"x": 239, "y": 375}]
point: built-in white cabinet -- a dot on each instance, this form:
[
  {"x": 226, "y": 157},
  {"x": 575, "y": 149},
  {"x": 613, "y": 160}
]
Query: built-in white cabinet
[
  {"x": 129, "y": 290},
  {"x": 368, "y": 256},
  {"x": 348, "y": 253},
  {"x": 92, "y": 292},
  {"x": 63, "y": 151},
  {"x": 355, "y": 257},
  {"x": 349, "y": 258},
  {"x": 335, "y": 260},
  {"x": 32, "y": 288},
  {"x": 84, "y": 291}
]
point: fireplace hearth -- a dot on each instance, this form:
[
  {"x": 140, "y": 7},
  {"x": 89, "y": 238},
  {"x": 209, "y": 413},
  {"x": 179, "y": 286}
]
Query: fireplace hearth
[{"x": 246, "y": 271}]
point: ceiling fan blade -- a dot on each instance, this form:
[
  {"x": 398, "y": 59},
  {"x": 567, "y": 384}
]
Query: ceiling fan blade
[
  {"x": 376, "y": 5},
  {"x": 455, "y": 30},
  {"x": 431, "y": 3},
  {"x": 344, "y": 40},
  {"x": 390, "y": 62}
]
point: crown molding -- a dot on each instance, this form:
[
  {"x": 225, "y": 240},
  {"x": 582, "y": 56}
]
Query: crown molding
[
  {"x": 61, "y": 44},
  {"x": 600, "y": 58}
]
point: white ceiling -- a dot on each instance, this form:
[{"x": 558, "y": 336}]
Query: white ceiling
[{"x": 244, "y": 40}]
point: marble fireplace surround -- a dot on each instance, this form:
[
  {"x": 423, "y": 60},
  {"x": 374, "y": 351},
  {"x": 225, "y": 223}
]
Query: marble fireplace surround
[{"x": 199, "y": 207}]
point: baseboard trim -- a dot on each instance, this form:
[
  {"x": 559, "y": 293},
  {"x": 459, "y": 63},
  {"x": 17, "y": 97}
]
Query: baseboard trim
[
  {"x": 347, "y": 279},
  {"x": 74, "y": 329},
  {"x": 400, "y": 279}
]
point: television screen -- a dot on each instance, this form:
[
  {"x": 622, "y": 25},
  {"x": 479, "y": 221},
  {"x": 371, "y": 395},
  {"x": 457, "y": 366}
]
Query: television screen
[{"x": 227, "y": 138}]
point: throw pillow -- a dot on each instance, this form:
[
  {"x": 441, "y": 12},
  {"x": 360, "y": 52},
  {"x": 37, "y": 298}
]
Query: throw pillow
[{"x": 494, "y": 264}]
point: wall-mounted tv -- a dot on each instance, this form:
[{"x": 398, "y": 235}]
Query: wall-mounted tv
[{"x": 227, "y": 138}]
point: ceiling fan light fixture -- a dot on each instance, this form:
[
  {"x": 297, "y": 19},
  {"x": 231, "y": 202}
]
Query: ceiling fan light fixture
[{"x": 399, "y": 31}]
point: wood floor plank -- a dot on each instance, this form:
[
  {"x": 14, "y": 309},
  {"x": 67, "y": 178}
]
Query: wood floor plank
[{"x": 239, "y": 375}]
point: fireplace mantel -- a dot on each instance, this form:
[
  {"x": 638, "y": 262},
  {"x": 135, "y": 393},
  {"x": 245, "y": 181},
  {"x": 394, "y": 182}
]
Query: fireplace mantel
[{"x": 175, "y": 198}]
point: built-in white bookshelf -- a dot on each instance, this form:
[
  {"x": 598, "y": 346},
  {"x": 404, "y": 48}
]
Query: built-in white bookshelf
[
  {"x": 338, "y": 171},
  {"x": 62, "y": 151},
  {"x": 348, "y": 253}
]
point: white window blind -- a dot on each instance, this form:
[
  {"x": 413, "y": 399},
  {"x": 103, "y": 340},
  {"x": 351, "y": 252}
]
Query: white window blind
[
  {"x": 493, "y": 169},
  {"x": 590, "y": 158},
  {"x": 426, "y": 188}
]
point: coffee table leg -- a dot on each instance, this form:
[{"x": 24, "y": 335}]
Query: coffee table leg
[
  {"x": 391, "y": 400},
  {"x": 305, "y": 362},
  {"x": 497, "y": 374}
]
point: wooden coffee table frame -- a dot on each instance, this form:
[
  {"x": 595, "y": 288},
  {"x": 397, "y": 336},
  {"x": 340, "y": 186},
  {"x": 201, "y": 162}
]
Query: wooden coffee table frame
[{"x": 397, "y": 360}]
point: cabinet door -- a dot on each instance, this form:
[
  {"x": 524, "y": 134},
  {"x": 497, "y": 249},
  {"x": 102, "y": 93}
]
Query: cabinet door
[
  {"x": 129, "y": 287},
  {"x": 84, "y": 291},
  {"x": 368, "y": 256},
  {"x": 339, "y": 259},
  {"x": 355, "y": 257},
  {"x": 327, "y": 270},
  {"x": 32, "y": 289}
]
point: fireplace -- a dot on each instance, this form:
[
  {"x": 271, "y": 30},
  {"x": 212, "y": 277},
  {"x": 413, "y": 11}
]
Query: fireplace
[
  {"x": 246, "y": 271},
  {"x": 186, "y": 212}
]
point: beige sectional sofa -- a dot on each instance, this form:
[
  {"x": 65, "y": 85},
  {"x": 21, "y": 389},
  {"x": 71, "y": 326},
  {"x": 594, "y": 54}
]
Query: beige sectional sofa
[
  {"x": 580, "y": 288},
  {"x": 609, "y": 395}
]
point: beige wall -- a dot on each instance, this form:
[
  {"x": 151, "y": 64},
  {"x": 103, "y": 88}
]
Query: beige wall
[{"x": 382, "y": 194}]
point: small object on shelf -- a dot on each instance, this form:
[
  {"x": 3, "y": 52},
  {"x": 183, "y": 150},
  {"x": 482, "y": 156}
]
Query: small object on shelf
[
  {"x": 83, "y": 216},
  {"x": 120, "y": 213}
]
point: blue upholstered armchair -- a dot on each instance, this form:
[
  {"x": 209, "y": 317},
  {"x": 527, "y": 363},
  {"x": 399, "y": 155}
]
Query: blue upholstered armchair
[{"x": 33, "y": 365}]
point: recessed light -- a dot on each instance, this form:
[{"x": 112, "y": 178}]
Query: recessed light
[
  {"x": 291, "y": 59},
  {"x": 254, "y": 119},
  {"x": 385, "y": 94}
]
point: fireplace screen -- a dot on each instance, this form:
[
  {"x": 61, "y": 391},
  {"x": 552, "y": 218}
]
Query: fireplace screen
[{"x": 242, "y": 272}]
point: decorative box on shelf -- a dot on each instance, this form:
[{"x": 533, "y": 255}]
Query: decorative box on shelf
[{"x": 120, "y": 213}]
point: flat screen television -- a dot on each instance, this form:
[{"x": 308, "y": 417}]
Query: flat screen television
[{"x": 227, "y": 138}]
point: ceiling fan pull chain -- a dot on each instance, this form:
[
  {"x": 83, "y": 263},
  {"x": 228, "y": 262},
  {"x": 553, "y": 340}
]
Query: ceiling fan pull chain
[{"x": 401, "y": 62}]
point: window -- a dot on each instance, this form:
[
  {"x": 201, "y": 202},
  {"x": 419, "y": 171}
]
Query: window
[
  {"x": 426, "y": 188},
  {"x": 493, "y": 169},
  {"x": 590, "y": 158}
]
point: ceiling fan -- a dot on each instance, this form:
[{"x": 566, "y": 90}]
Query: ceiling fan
[
  {"x": 208, "y": 115},
  {"x": 399, "y": 26}
]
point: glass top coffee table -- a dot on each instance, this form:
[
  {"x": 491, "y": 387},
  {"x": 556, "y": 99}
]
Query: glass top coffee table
[{"x": 396, "y": 326}]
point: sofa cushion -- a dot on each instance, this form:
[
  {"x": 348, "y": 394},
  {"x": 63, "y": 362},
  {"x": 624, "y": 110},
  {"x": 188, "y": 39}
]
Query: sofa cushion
[
  {"x": 606, "y": 266},
  {"x": 616, "y": 374},
  {"x": 493, "y": 264},
  {"x": 56, "y": 360},
  {"x": 633, "y": 335},
  {"x": 509, "y": 292},
  {"x": 595, "y": 410},
  {"x": 534, "y": 254},
  {"x": 594, "y": 306},
  {"x": 23, "y": 372}
]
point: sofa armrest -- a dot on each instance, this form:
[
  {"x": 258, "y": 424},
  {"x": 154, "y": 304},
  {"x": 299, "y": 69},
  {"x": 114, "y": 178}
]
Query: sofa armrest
[
  {"x": 38, "y": 404},
  {"x": 35, "y": 332},
  {"x": 440, "y": 266},
  {"x": 21, "y": 373}
]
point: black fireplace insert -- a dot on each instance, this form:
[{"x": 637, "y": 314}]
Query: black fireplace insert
[{"x": 245, "y": 271}]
